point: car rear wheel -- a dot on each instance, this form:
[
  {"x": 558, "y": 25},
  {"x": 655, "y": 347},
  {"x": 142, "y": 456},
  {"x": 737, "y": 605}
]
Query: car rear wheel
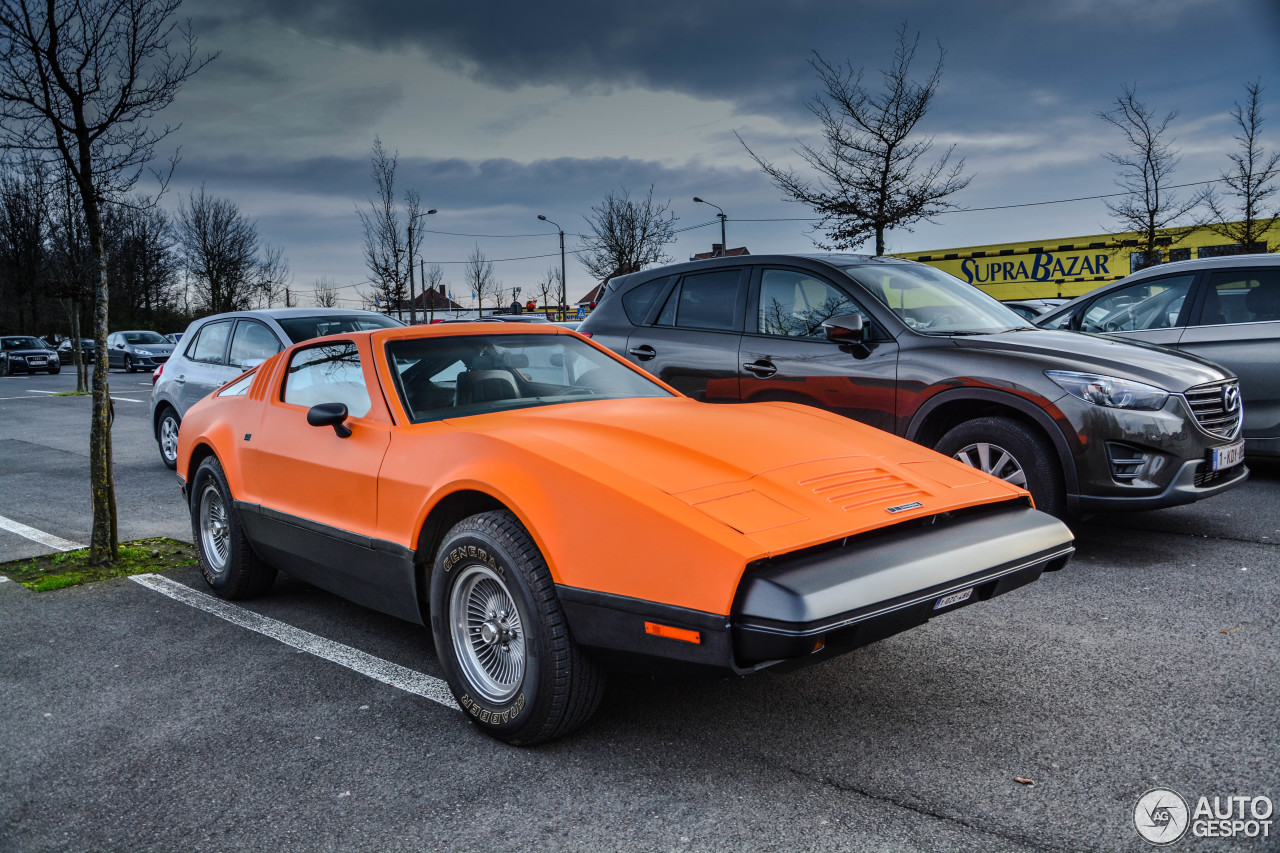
[
  {"x": 1012, "y": 451},
  {"x": 167, "y": 436},
  {"x": 502, "y": 637},
  {"x": 227, "y": 561}
]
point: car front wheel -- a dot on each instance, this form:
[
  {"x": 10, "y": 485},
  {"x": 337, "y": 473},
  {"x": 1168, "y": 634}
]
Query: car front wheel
[
  {"x": 128, "y": 364},
  {"x": 167, "y": 436},
  {"x": 502, "y": 637},
  {"x": 1012, "y": 451},
  {"x": 227, "y": 561}
]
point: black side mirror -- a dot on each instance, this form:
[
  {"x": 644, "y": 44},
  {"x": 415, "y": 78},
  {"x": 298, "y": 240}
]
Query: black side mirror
[
  {"x": 330, "y": 414},
  {"x": 849, "y": 331}
]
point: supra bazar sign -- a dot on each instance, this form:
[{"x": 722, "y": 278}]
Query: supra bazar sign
[{"x": 1162, "y": 816}]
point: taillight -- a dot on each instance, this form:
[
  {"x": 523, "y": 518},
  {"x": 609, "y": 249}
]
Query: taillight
[
  {"x": 585, "y": 334},
  {"x": 155, "y": 374}
]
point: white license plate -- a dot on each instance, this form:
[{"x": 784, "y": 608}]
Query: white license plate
[
  {"x": 953, "y": 598},
  {"x": 37, "y": 361},
  {"x": 1227, "y": 457}
]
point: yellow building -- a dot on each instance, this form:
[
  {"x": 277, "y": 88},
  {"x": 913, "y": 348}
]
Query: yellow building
[{"x": 1070, "y": 266}]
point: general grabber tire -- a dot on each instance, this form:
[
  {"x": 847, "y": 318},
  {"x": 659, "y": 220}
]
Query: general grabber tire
[
  {"x": 226, "y": 559},
  {"x": 1013, "y": 451},
  {"x": 501, "y": 634}
]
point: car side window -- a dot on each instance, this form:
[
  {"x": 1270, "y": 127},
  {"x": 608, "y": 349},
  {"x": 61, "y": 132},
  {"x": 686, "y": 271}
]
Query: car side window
[
  {"x": 708, "y": 300},
  {"x": 1149, "y": 304},
  {"x": 330, "y": 373},
  {"x": 636, "y": 301},
  {"x": 1241, "y": 296},
  {"x": 210, "y": 343},
  {"x": 252, "y": 340},
  {"x": 795, "y": 304}
]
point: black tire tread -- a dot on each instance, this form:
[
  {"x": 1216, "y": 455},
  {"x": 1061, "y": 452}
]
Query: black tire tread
[
  {"x": 249, "y": 575},
  {"x": 1050, "y": 496},
  {"x": 578, "y": 686}
]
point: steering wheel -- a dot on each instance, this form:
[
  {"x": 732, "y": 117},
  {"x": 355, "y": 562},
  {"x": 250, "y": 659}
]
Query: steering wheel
[
  {"x": 574, "y": 390},
  {"x": 941, "y": 319}
]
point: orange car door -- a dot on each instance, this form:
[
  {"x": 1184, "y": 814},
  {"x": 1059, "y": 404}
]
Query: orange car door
[{"x": 311, "y": 475}]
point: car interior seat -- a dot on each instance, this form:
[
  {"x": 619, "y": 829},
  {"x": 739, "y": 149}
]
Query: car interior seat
[
  {"x": 1211, "y": 314},
  {"x": 1263, "y": 301},
  {"x": 486, "y": 386}
]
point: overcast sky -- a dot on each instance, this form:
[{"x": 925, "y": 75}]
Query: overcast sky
[{"x": 501, "y": 111}]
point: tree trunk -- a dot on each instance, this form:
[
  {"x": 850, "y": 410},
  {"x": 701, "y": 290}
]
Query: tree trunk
[{"x": 104, "y": 544}]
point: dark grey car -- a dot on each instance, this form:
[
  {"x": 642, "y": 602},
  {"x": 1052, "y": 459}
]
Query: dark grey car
[
  {"x": 1084, "y": 423},
  {"x": 216, "y": 349},
  {"x": 1226, "y": 310},
  {"x": 137, "y": 350},
  {"x": 27, "y": 354}
]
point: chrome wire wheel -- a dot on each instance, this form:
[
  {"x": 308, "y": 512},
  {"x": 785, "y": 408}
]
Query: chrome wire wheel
[
  {"x": 169, "y": 438},
  {"x": 215, "y": 531},
  {"x": 994, "y": 460},
  {"x": 488, "y": 636}
]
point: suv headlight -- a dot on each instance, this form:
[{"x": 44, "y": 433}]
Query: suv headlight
[{"x": 1109, "y": 391}]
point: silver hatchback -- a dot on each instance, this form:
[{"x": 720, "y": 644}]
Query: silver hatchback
[
  {"x": 1225, "y": 310},
  {"x": 216, "y": 349}
]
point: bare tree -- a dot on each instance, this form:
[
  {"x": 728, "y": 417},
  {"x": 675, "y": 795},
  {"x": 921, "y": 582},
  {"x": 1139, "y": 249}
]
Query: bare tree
[
  {"x": 627, "y": 236},
  {"x": 1252, "y": 214},
  {"x": 385, "y": 241},
  {"x": 271, "y": 277},
  {"x": 142, "y": 264},
  {"x": 872, "y": 174},
  {"x": 219, "y": 247},
  {"x": 326, "y": 292},
  {"x": 548, "y": 287},
  {"x": 1144, "y": 171},
  {"x": 478, "y": 275},
  {"x": 25, "y": 225},
  {"x": 432, "y": 279},
  {"x": 80, "y": 82}
]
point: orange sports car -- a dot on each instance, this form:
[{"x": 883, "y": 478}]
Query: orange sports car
[{"x": 548, "y": 509}]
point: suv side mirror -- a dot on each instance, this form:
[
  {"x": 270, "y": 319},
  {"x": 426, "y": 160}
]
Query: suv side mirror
[
  {"x": 330, "y": 414},
  {"x": 849, "y": 331}
]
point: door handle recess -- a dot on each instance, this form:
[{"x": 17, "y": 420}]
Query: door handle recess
[
  {"x": 644, "y": 353},
  {"x": 762, "y": 369}
]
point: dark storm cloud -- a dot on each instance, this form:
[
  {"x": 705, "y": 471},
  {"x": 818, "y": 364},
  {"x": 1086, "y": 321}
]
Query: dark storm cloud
[
  {"x": 565, "y": 185},
  {"x": 754, "y": 52}
]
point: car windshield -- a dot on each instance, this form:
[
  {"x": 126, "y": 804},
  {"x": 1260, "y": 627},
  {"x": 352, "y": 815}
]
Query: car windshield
[
  {"x": 144, "y": 338},
  {"x": 305, "y": 328},
  {"x": 451, "y": 377},
  {"x": 23, "y": 343},
  {"x": 933, "y": 303}
]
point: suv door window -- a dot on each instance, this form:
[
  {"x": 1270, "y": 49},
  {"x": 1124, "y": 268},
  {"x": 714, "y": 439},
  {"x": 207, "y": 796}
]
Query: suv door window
[
  {"x": 330, "y": 373},
  {"x": 795, "y": 304},
  {"x": 1151, "y": 304},
  {"x": 1241, "y": 296},
  {"x": 210, "y": 344},
  {"x": 709, "y": 300},
  {"x": 252, "y": 340}
]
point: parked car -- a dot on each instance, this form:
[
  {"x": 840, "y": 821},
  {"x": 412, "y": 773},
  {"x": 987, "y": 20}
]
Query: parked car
[
  {"x": 439, "y": 474},
  {"x": 173, "y": 337},
  {"x": 218, "y": 348},
  {"x": 1226, "y": 310},
  {"x": 87, "y": 349},
  {"x": 1030, "y": 309},
  {"x": 27, "y": 354},
  {"x": 1086, "y": 424},
  {"x": 137, "y": 350}
]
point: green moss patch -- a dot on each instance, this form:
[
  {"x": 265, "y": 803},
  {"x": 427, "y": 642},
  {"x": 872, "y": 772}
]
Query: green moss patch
[{"x": 72, "y": 568}]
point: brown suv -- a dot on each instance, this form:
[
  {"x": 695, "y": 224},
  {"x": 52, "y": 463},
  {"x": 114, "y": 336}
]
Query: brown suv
[{"x": 1086, "y": 424}]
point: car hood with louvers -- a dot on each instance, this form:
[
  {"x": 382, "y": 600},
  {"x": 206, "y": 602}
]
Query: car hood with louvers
[{"x": 817, "y": 477}]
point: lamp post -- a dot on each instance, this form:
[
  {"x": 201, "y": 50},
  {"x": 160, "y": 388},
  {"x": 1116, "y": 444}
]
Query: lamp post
[
  {"x": 413, "y": 308},
  {"x": 563, "y": 304},
  {"x": 724, "y": 246}
]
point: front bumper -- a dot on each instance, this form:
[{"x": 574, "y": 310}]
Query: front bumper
[{"x": 807, "y": 607}]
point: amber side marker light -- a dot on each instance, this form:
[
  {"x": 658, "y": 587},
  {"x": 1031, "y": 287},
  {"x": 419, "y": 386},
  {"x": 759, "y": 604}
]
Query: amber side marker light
[{"x": 672, "y": 633}]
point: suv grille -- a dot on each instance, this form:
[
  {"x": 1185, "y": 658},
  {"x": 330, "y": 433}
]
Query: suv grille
[{"x": 1216, "y": 407}]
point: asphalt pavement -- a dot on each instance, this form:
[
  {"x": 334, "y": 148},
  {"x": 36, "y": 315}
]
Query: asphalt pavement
[{"x": 133, "y": 721}]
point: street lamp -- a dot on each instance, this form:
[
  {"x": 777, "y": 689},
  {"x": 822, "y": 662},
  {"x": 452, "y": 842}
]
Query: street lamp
[
  {"x": 413, "y": 308},
  {"x": 563, "y": 304},
  {"x": 724, "y": 247}
]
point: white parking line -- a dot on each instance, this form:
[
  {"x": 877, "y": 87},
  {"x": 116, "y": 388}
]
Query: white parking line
[
  {"x": 39, "y": 535},
  {"x": 378, "y": 669},
  {"x": 34, "y": 391},
  {"x": 127, "y": 399}
]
